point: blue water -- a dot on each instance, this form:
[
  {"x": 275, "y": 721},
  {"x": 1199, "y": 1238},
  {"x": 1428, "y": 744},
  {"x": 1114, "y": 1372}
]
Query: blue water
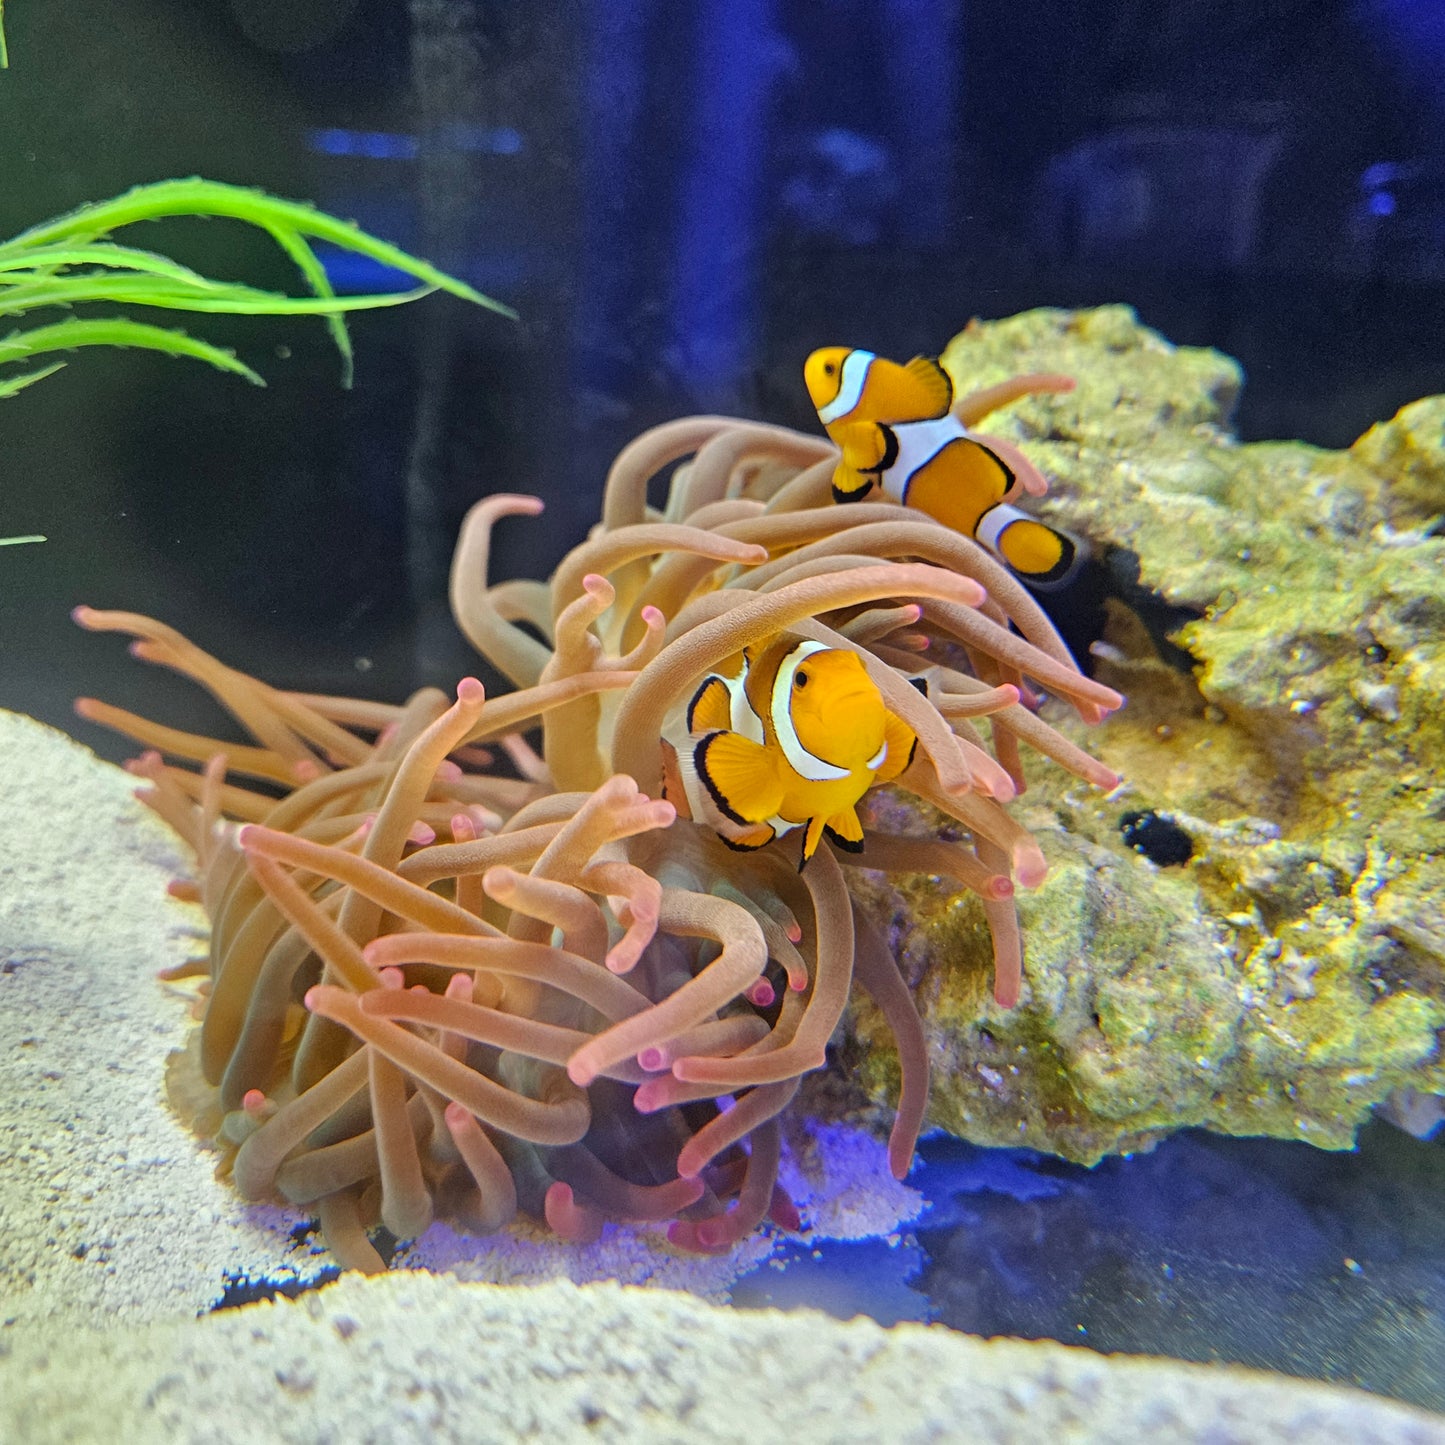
[{"x": 1263, "y": 1252}]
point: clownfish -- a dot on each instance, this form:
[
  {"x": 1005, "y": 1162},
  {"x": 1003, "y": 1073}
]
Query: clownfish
[
  {"x": 897, "y": 432},
  {"x": 782, "y": 736}
]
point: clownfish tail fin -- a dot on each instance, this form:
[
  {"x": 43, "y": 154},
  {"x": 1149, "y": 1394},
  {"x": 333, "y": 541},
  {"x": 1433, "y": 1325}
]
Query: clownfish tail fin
[{"x": 1038, "y": 554}]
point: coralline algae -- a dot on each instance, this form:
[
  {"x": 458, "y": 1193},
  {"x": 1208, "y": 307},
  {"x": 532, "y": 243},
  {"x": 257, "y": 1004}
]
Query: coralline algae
[{"x": 1292, "y": 974}]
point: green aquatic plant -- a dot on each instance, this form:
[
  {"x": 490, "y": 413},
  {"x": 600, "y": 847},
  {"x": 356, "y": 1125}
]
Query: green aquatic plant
[
  {"x": 18, "y": 541},
  {"x": 70, "y": 261}
]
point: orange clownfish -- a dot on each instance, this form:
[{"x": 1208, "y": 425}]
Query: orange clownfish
[
  {"x": 897, "y": 432},
  {"x": 786, "y": 735}
]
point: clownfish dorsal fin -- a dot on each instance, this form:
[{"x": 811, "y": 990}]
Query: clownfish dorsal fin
[
  {"x": 935, "y": 386},
  {"x": 711, "y": 707}
]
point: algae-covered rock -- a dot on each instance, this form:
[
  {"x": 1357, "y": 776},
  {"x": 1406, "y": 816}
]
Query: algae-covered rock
[{"x": 1291, "y": 973}]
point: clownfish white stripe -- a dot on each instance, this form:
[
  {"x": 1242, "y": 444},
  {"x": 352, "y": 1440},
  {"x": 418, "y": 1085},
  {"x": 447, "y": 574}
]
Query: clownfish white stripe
[
  {"x": 995, "y": 522},
  {"x": 815, "y": 770},
  {"x": 741, "y": 715},
  {"x": 850, "y": 386},
  {"x": 878, "y": 758}
]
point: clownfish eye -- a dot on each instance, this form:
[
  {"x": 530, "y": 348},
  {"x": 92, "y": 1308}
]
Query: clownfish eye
[
  {"x": 800, "y": 679},
  {"x": 828, "y": 368}
]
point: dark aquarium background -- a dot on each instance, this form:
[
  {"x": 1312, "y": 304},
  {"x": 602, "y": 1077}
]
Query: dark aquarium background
[{"x": 681, "y": 200}]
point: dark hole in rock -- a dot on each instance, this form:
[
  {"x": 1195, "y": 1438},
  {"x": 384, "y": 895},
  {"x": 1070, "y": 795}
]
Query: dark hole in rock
[
  {"x": 1163, "y": 843},
  {"x": 1160, "y": 618}
]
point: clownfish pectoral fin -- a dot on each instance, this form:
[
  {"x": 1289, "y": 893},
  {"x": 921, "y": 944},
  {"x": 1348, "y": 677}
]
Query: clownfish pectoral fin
[
  {"x": 811, "y": 838},
  {"x": 845, "y": 830},
  {"x": 749, "y": 840},
  {"x": 711, "y": 707},
  {"x": 1039, "y": 554},
  {"x": 865, "y": 445},
  {"x": 741, "y": 777},
  {"x": 935, "y": 386},
  {"x": 850, "y": 485},
  {"x": 902, "y": 744}
]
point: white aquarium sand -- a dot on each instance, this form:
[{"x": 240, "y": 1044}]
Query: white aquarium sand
[{"x": 115, "y": 1240}]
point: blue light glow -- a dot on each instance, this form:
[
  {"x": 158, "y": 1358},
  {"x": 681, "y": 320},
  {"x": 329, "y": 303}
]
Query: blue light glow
[{"x": 381, "y": 145}]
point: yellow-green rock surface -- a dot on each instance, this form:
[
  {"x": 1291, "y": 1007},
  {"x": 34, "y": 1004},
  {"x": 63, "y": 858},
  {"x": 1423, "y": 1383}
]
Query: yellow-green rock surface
[{"x": 1292, "y": 973}]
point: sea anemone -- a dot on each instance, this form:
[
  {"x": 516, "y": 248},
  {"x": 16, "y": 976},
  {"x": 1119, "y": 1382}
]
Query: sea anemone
[{"x": 447, "y": 982}]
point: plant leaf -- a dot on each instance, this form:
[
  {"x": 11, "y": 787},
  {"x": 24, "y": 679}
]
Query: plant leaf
[
  {"x": 306, "y": 261},
  {"x": 197, "y": 197},
  {"x": 120, "y": 258},
  {"x": 230, "y": 297},
  {"x": 119, "y": 331},
  {"x": 9, "y": 386}
]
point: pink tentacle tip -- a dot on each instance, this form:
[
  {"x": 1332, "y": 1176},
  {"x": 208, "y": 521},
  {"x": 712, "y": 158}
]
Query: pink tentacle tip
[
  {"x": 471, "y": 691},
  {"x": 582, "y": 1074},
  {"x": 421, "y": 833},
  {"x": 460, "y": 1123},
  {"x": 500, "y": 876},
  {"x": 650, "y": 1097},
  {"x": 575, "y": 1222},
  {"x": 760, "y": 994},
  {"x": 459, "y": 987},
  {"x": 1006, "y": 992},
  {"x": 254, "y": 1102},
  {"x": 247, "y": 836},
  {"x": 306, "y": 770},
  {"x": 684, "y": 1234},
  {"x": 998, "y": 888},
  {"x": 783, "y": 1212},
  {"x": 1030, "y": 864},
  {"x": 623, "y": 956},
  {"x": 184, "y": 889},
  {"x": 598, "y": 587},
  {"x": 654, "y": 1060},
  {"x": 392, "y": 978},
  {"x": 448, "y": 771},
  {"x": 81, "y": 615}
]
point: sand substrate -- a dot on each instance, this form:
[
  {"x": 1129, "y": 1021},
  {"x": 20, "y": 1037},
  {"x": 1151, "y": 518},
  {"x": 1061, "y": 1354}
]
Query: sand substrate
[{"x": 115, "y": 1238}]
